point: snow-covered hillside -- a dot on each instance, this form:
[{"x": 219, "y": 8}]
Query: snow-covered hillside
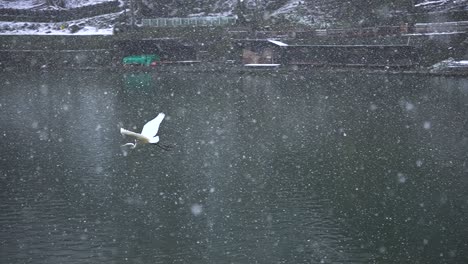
[
  {"x": 42, "y": 4},
  {"x": 317, "y": 13},
  {"x": 97, "y": 25},
  {"x": 442, "y": 5},
  {"x": 100, "y": 25}
]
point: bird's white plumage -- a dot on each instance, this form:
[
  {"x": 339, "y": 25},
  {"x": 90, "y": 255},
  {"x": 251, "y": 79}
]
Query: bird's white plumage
[
  {"x": 148, "y": 133},
  {"x": 151, "y": 128}
]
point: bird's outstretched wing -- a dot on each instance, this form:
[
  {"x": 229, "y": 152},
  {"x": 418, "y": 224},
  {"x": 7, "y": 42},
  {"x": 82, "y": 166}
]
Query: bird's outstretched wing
[{"x": 151, "y": 128}]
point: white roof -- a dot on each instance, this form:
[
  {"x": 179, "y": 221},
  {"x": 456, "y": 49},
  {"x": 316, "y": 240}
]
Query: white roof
[
  {"x": 261, "y": 65},
  {"x": 279, "y": 43}
]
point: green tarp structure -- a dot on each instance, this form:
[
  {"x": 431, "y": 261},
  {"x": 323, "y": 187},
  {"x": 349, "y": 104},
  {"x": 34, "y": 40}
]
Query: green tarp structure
[{"x": 145, "y": 59}]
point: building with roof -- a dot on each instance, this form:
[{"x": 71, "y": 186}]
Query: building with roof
[{"x": 270, "y": 51}]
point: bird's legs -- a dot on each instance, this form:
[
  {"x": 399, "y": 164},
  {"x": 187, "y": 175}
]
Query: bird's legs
[
  {"x": 132, "y": 145},
  {"x": 164, "y": 147}
]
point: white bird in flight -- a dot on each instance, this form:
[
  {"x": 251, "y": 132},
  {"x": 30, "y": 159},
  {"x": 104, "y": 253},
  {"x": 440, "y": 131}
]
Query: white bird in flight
[{"x": 148, "y": 134}]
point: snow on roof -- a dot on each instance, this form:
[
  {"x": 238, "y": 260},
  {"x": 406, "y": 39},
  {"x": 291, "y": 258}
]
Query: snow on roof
[
  {"x": 278, "y": 43},
  {"x": 461, "y": 63},
  {"x": 262, "y": 65},
  {"x": 430, "y": 3}
]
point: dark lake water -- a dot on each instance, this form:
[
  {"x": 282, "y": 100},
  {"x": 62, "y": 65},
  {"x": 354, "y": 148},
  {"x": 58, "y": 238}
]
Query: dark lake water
[{"x": 266, "y": 168}]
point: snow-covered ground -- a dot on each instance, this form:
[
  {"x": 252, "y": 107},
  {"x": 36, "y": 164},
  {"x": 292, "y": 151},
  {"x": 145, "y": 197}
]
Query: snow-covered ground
[
  {"x": 98, "y": 25},
  {"x": 40, "y": 4},
  {"x": 25, "y": 4}
]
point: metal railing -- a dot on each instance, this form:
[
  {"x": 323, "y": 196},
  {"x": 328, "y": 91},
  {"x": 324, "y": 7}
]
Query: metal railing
[{"x": 189, "y": 21}]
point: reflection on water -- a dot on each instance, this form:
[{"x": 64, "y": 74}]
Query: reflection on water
[
  {"x": 300, "y": 168},
  {"x": 138, "y": 81}
]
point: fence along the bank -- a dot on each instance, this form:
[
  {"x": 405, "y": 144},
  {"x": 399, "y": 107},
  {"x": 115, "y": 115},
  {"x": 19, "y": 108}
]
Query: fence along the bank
[{"x": 189, "y": 21}]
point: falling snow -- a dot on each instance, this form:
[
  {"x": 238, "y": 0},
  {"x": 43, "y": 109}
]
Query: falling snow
[
  {"x": 196, "y": 209},
  {"x": 290, "y": 165}
]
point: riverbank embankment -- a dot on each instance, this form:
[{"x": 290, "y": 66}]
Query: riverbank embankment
[{"x": 215, "y": 46}]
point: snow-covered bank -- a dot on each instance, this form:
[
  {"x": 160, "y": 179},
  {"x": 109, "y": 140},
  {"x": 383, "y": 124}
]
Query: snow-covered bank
[
  {"x": 41, "y": 4},
  {"x": 99, "y": 25},
  {"x": 95, "y": 25},
  {"x": 21, "y": 28}
]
